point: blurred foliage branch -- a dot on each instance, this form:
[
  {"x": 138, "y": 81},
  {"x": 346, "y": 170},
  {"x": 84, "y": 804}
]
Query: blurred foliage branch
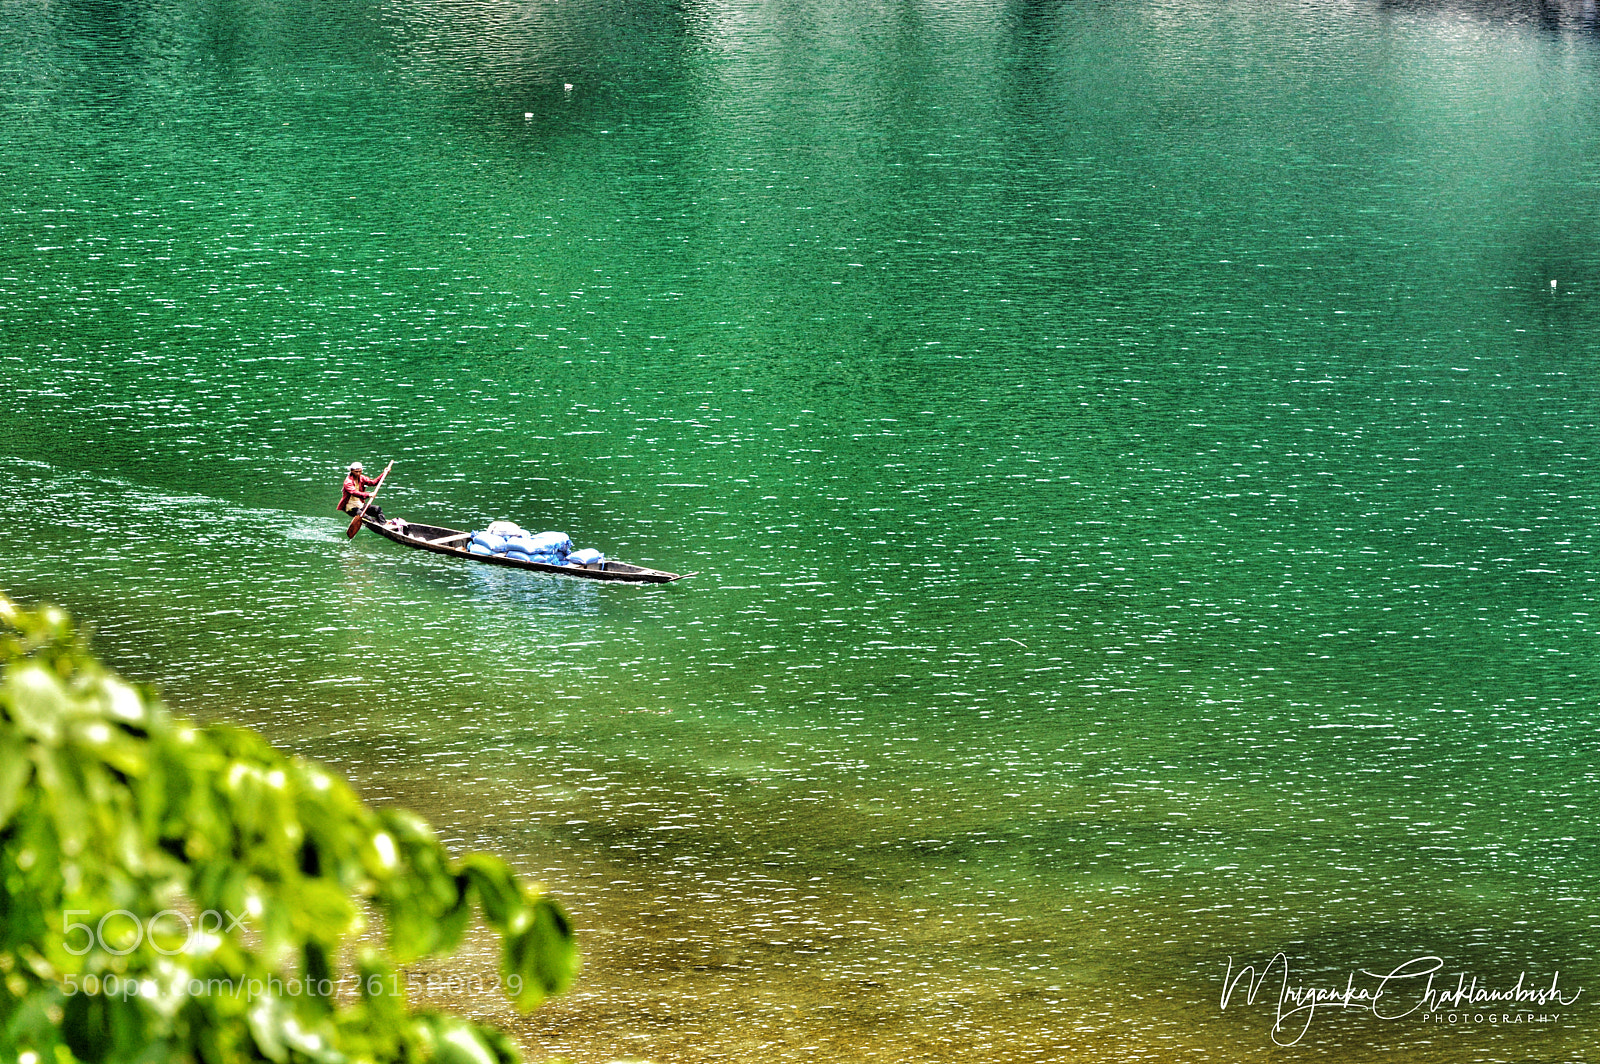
[{"x": 170, "y": 892}]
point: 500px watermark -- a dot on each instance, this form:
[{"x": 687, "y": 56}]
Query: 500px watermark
[
  {"x": 120, "y": 932},
  {"x": 430, "y": 984}
]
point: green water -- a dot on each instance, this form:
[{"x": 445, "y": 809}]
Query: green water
[{"x": 1135, "y": 458}]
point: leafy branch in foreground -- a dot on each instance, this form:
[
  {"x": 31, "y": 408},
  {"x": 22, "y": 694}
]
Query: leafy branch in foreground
[{"x": 170, "y": 892}]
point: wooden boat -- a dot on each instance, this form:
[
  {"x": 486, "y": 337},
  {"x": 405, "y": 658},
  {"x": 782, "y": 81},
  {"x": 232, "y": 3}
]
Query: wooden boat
[{"x": 453, "y": 544}]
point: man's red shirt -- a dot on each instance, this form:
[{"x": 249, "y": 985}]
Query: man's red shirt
[{"x": 354, "y": 487}]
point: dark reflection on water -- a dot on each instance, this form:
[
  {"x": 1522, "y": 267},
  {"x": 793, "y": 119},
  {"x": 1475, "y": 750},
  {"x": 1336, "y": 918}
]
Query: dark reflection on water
[{"x": 1555, "y": 16}]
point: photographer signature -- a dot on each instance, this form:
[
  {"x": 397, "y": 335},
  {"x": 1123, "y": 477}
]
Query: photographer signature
[{"x": 1408, "y": 988}]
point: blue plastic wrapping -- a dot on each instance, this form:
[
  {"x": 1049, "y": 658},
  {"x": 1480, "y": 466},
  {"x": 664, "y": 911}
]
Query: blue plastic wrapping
[
  {"x": 489, "y": 540},
  {"x": 557, "y": 543}
]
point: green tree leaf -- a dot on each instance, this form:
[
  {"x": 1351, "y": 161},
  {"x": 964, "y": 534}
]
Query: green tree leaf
[{"x": 169, "y": 892}]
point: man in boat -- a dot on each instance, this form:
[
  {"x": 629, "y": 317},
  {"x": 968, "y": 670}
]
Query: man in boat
[{"x": 356, "y": 494}]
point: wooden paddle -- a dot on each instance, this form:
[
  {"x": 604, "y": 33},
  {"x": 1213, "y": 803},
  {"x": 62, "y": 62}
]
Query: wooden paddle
[{"x": 355, "y": 525}]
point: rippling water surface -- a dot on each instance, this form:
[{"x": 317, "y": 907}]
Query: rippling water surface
[{"x": 1137, "y": 459}]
